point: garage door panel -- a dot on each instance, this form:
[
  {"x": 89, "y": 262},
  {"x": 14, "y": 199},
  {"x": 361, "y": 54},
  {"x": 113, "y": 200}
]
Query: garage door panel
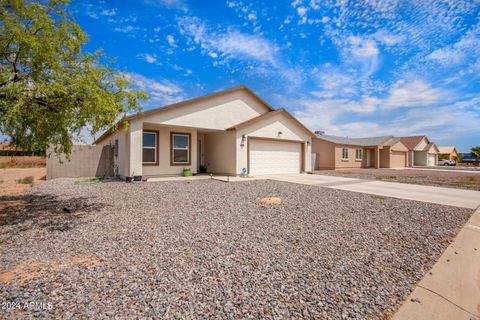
[
  {"x": 397, "y": 159},
  {"x": 273, "y": 157}
]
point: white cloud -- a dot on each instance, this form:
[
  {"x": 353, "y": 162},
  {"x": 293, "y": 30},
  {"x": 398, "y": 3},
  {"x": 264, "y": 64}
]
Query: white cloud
[
  {"x": 171, "y": 4},
  {"x": 214, "y": 55},
  {"x": 126, "y": 29},
  {"x": 387, "y": 38},
  {"x": 252, "y": 16},
  {"x": 302, "y": 11},
  {"x": 296, "y": 3},
  {"x": 314, "y": 4},
  {"x": 413, "y": 94},
  {"x": 171, "y": 41},
  {"x": 92, "y": 15},
  {"x": 108, "y": 12},
  {"x": 150, "y": 58},
  {"x": 363, "y": 47},
  {"x": 230, "y": 43},
  {"x": 160, "y": 91}
]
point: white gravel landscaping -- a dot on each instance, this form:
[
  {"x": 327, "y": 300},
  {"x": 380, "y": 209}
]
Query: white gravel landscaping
[{"x": 210, "y": 249}]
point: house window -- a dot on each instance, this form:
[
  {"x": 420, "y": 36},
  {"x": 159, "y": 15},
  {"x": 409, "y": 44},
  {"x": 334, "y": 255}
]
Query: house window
[
  {"x": 359, "y": 154},
  {"x": 180, "y": 148},
  {"x": 344, "y": 153},
  {"x": 150, "y": 147}
]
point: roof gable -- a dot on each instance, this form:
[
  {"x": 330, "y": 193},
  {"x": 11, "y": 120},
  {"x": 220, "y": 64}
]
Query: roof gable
[
  {"x": 269, "y": 115},
  {"x": 447, "y": 149},
  {"x": 187, "y": 112},
  {"x": 412, "y": 141}
]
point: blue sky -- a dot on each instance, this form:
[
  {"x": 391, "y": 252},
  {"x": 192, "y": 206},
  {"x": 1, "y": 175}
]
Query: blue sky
[{"x": 355, "y": 68}]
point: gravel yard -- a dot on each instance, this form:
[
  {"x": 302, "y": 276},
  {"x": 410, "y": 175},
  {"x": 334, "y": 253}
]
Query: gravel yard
[
  {"x": 462, "y": 179},
  {"x": 209, "y": 249}
]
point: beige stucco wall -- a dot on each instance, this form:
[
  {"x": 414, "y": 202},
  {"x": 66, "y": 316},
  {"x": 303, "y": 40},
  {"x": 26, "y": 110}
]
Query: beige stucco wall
[
  {"x": 351, "y": 162},
  {"x": 120, "y": 161},
  {"x": 164, "y": 167},
  {"x": 220, "y": 152},
  {"x": 218, "y": 113},
  {"x": 385, "y": 157},
  {"x": 269, "y": 128},
  {"x": 422, "y": 144},
  {"x": 326, "y": 153},
  {"x": 84, "y": 161}
]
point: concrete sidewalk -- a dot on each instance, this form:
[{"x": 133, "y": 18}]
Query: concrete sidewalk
[
  {"x": 445, "y": 196},
  {"x": 451, "y": 289}
]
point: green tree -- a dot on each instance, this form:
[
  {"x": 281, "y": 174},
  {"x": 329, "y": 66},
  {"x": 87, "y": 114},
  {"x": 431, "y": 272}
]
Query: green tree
[
  {"x": 475, "y": 151},
  {"x": 49, "y": 89}
]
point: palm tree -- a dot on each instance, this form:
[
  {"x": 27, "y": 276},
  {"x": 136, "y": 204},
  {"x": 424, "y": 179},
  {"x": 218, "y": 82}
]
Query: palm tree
[{"x": 475, "y": 152}]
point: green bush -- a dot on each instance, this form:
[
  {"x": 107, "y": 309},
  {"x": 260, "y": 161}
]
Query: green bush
[{"x": 25, "y": 180}]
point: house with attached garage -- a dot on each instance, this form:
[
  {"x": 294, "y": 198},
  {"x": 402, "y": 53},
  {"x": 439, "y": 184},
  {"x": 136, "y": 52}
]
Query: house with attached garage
[
  {"x": 449, "y": 152},
  {"x": 232, "y": 132},
  {"x": 421, "y": 151},
  {"x": 334, "y": 152}
]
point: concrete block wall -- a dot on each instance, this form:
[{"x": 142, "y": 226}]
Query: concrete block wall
[{"x": 85, "y": 161}]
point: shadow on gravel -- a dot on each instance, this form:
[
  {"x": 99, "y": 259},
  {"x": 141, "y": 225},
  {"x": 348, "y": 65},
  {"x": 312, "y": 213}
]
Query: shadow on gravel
[{"x": 44, "y": 211}]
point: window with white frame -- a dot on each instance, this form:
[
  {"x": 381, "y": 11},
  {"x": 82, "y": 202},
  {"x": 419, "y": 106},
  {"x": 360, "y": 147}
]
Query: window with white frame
[
  {"x": 180, "y": 149},
  {"x": 150, "y": 147},
  {"x": 359, "y": 154},
  {"x": 344, "y": 153}
]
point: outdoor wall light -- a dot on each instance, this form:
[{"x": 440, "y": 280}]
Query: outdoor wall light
[
  {"x": 280, "y": 133},
  {"x": 242, "y": 143}
]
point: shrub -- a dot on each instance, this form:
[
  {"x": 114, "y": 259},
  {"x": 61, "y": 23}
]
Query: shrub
[{"x": 25, "y": 180}]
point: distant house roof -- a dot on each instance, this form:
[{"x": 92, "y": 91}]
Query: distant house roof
[
  {"x": 447, "y": 149},
  {"x": 364, "y": 142},
  {"x": 412, "y": 141},
  {"x": 392, "y": 142}
]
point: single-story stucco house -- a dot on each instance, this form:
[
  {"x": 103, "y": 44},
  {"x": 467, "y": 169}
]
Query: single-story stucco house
[
  {"x": 334, "y": 152},
  {"x": 233, "y": 132},
  {"x": 421, "y": 151},
  {"x": 449, "y": 152}
]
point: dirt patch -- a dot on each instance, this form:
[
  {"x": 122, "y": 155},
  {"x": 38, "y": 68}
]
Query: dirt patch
[
  {"x": 22, "y": 162},
  {"x": 9, "y": 179},
  {"x": 270, "y": 200},
  {"x": 28, "y": 270}
]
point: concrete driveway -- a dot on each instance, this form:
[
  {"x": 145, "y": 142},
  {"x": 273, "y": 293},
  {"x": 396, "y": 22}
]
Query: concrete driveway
[{"x": 445, "y": 196}]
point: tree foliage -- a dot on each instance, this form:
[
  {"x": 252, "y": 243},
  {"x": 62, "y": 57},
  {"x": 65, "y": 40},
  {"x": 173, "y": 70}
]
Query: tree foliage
[
  {"x": 49, "y": 89},
  {"x": 475, "y": 151}
]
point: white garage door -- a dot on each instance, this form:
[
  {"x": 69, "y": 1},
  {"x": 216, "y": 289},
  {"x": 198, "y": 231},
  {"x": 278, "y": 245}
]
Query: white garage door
[
  {"x": 272, "y": 157},
  {"x": 431, "y": 159}
]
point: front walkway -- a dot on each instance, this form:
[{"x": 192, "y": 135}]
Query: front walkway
[
  {"x": 445, "y": 196},
  {"x": 451, "y": 290}
]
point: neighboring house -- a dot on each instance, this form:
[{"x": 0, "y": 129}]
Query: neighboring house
[
  {"x": 449, "y": 153},
  {"x": 232, "y": 131},
  {"x": 333, "y": 152},
  {"x": 421, "y": 151}
]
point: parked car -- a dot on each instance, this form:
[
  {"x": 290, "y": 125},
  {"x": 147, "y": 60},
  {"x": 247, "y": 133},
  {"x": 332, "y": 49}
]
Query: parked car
[{"x": 446, "y": 162}]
